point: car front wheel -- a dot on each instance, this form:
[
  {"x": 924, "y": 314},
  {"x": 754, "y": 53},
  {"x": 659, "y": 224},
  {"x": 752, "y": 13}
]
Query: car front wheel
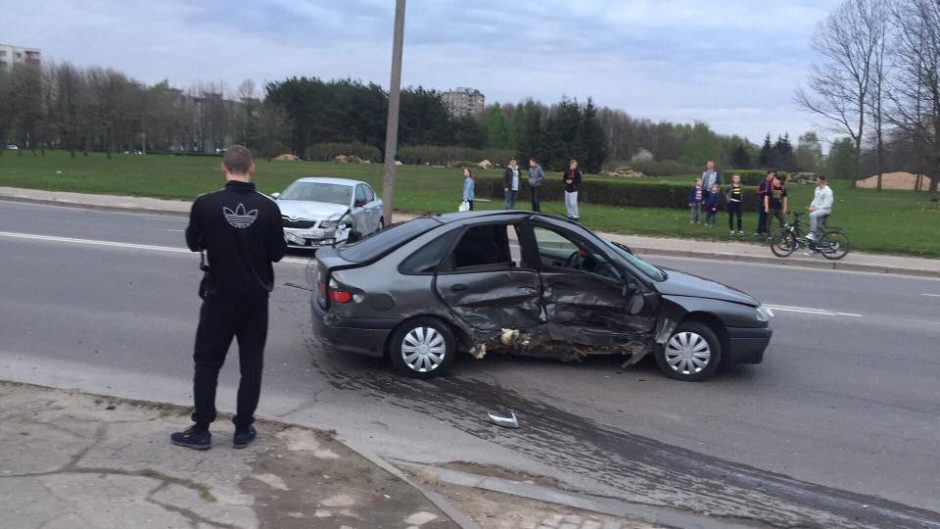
[
  {"x": 423, "y": 348},
  {"x": 691, "y": 354}
]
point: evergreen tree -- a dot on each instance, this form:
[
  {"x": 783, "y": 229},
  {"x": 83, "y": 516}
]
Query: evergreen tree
[
  {"x": 593, "y": 140},
  {"x": 497, "y": 133},
  {"x": 766, "y": 158},
  {"x": 783, "y": 154},
  {"x": 842, "y": 162},
  {"x": 562, "y": 135},
  {"x": 741, "y": 156},
  {"x": 530, "y": 136}
]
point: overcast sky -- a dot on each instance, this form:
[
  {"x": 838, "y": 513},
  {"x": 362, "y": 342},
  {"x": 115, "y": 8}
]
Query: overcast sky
[{"x": 731, "y": 63}]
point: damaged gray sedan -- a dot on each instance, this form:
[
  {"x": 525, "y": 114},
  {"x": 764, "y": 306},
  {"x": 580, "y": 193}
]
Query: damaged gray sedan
[{"x": 523, "y": 284}]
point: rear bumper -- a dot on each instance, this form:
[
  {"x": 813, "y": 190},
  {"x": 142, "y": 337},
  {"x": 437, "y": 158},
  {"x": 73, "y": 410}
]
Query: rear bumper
[
  {"x": 362, "y": 338},
  {"x": 747, "y": 345}
]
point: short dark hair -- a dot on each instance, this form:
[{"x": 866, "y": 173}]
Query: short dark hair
[
  {"x": 532, "y": 159},
  {"x": 821, "y": 177},
  {"x": 237, "y": 159},
  {"x": 772, "y": 172}
]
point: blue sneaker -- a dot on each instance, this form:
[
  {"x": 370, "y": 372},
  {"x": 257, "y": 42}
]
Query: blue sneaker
[
  {"x": 244, "y": 437},
  {"x": 194, "y": 437}
]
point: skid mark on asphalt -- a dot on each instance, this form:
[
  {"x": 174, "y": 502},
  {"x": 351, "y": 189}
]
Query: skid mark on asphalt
[{"x": 638, "y": 467}]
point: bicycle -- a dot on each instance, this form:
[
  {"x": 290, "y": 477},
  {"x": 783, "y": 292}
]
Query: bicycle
[{"x": 832, "y": 243}]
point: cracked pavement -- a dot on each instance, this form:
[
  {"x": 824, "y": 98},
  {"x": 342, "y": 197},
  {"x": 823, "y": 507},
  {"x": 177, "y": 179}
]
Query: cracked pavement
[{"x": 73, "y": 460}]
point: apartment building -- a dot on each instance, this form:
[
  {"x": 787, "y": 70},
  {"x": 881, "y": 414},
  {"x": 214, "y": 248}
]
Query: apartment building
[
  {"x": 464, "y": 101},
  {"x": 11, "y": 55}
]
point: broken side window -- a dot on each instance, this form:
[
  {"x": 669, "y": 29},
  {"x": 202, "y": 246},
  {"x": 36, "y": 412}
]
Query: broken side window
[
  {"x": 561, "y": 252},
  {"x": 485, "y": 247}
]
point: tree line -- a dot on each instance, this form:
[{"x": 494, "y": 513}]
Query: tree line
[
  {"x": 101, "y": 109},
  {"x": 876, "y": 83}
]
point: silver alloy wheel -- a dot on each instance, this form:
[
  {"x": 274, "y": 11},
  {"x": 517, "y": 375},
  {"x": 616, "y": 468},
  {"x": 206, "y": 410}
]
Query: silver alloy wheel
[
  {"x": 688, "y": 353},
  {"x": 423, "y": 349}
]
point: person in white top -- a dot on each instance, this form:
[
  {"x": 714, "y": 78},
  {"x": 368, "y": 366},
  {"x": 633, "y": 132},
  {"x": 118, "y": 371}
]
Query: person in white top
[{"x": 821, "y": 205}]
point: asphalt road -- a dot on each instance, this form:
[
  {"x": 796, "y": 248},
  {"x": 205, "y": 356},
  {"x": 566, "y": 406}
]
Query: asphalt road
[{"x": 839, "y": 427}]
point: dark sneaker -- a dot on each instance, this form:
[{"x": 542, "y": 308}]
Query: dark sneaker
[
  {"x": 243, "y": 437},
  {"x": 195, "y": 438}
]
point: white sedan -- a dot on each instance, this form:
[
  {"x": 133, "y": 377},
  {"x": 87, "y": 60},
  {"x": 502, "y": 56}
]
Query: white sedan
[{"x": 318, "y": 211}]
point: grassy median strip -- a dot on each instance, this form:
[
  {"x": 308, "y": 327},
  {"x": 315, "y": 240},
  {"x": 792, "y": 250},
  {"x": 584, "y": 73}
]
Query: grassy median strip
[{"x": 899, "y": 222}]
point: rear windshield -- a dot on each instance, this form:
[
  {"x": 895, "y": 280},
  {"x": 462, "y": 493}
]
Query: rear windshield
[{"x": 386, "y": 240}]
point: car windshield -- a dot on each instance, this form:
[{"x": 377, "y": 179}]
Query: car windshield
[
  {"x": 386, "y": 240},
  {"x": 319, "y": 192},
  {"x": 653, "y": 271}
]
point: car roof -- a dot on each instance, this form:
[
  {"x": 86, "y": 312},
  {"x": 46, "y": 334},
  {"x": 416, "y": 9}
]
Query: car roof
[
  {"x": 331, "y": 180},
  {"x": 447, "y": 218}
]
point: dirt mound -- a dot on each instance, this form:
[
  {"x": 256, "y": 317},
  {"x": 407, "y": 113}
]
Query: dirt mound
[
  {"x": 898, "y": 180},
  {"x": 285, "y": 158}
]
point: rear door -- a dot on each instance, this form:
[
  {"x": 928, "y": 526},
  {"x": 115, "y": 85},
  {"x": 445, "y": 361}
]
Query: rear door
[
  {"x": 589, "y": 300},
  {"x": 373, "y": 205},
  {"x": 490, "y": 283}
]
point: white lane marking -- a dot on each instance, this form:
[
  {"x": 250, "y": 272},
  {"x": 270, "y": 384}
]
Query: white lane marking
[
  {"x": 931, "y": 295},
  {"x": 810, "y": 310},
  {"x": 112, "y": 244}
]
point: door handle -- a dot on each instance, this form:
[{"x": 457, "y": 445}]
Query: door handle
[{"x": 459, "y": 287}]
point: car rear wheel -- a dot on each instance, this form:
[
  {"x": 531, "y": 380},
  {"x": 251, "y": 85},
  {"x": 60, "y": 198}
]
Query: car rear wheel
[
  {"x": 423, "y": 348},
  {"x": 691, "y": 354}
]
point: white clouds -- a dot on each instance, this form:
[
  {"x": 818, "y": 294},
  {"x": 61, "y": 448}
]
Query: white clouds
[{"x": 733, "y": 63}]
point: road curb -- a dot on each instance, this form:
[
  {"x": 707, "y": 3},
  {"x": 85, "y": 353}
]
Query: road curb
[
  {"x": 793, "y": 263},
  {"x": 820, "y": 264}
]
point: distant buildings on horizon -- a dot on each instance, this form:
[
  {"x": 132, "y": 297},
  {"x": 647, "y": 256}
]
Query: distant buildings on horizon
[
  {"x": 11, "y": 55},
  {"x": 464, "y": 101}
]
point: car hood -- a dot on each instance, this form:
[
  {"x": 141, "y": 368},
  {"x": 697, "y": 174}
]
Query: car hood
[
  {"x": 304, "y": 209},
  {"x": 682, "y": 284}
]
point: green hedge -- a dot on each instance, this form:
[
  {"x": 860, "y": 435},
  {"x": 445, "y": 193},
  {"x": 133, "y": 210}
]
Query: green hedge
[{"x": 616, "y": 193}]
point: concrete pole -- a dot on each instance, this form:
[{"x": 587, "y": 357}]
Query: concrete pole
[{"x": 394, "y": 100}]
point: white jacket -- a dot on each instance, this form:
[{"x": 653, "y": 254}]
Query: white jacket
[{"x": 823, "y": 198}]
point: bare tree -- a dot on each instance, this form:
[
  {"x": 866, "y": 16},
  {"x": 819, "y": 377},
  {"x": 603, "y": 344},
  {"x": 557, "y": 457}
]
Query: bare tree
[
  {"x": 877, "y": 20},
  {"x": 915, "y": 90},
  {"x": 840, "y": 83}
]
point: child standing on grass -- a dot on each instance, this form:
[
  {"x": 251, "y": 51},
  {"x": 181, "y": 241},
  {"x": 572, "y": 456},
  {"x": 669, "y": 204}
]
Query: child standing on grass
[
  {"x": 696, "y": 199},
  {"x": 712, "y": 203},
  {"x": 734, "y": 194}
]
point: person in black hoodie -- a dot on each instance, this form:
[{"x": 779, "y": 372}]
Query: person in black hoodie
[{"x": 241, "y": 232}]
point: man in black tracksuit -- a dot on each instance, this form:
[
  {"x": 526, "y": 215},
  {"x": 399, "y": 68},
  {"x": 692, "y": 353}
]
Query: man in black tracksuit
[{"x": 241, "y": 232}]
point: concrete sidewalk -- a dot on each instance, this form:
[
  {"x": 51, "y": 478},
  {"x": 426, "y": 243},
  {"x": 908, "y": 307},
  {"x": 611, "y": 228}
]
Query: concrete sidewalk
[
  {"x": 732, "y": 251},
  {"x": 69, "y": 459}
]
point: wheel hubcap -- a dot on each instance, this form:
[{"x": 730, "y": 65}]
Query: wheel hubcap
[
  {"x": 423, "y": 349},
  {"x": 688, "y": 353}
]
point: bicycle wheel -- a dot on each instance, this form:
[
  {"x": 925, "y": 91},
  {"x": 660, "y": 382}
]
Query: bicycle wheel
[
  {"x": 834, "y": 244},
  {"x": 783, "y": 243}
]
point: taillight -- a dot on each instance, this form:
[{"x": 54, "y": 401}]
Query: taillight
[{"x": 334, "y": 293}]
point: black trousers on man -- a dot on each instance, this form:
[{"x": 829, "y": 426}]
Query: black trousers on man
[
  {"x": 220, "y": 320},
  {"x": 762, "y": 227},
  {"x": 535, "y": 194}
]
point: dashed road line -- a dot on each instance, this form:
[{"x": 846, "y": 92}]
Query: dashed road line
[{"x": 114, "y": 244}]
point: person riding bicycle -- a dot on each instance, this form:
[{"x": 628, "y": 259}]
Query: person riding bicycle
[{"x": 820, "y": 207}]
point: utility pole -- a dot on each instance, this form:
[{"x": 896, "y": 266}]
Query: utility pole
[{"x": 394, "y": 100}]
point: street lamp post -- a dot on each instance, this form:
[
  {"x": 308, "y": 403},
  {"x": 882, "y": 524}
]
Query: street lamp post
[{"x": 394, "y": 101}]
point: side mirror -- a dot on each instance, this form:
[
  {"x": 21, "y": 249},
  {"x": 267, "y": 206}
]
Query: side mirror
[
  {"x": 359, "y": 203},
  {"x": 275, "y": 195}
]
